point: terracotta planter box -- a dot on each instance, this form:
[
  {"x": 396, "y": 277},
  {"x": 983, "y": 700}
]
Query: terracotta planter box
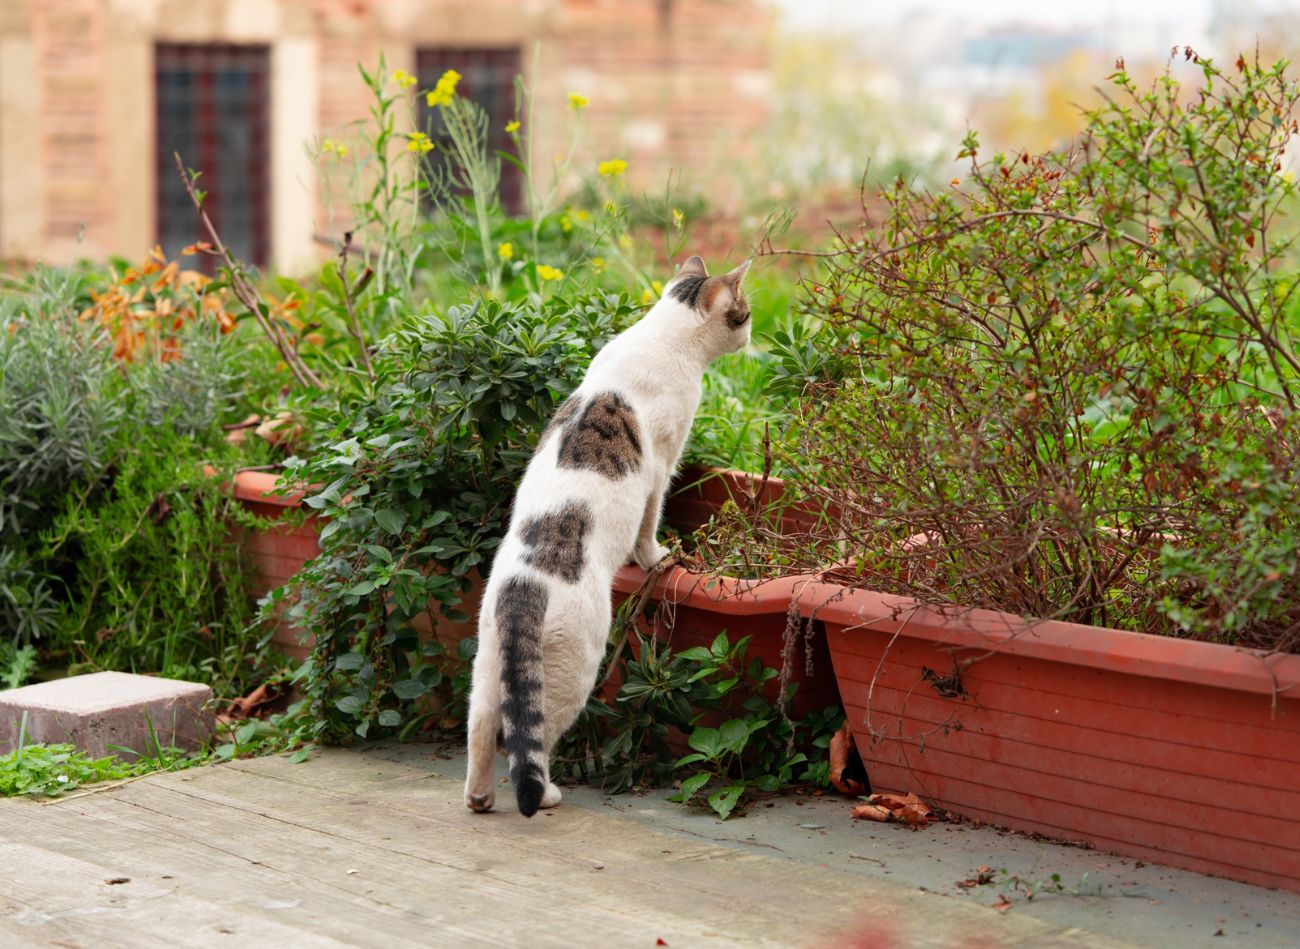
[
  {"x": 279, "y": 552},
  {"x": 1183, "y": 753},
  {"x": 693, "y": 608}
]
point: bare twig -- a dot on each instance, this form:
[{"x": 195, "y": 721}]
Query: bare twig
[
  {"x": 245, "y": 291},
  {"x": 354, "y": 323}
]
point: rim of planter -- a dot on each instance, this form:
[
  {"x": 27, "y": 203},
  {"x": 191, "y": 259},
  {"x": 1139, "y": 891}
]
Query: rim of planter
[
  {"x": 730, "y": 596},
  {"x": 259, "y": 486},
  {"x": 1098, "y": 647}
]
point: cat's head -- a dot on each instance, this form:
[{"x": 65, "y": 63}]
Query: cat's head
[{"x": 718, "y": 301}]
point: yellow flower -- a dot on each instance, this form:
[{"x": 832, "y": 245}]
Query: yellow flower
[
  {"x": 545, "y": 272},
  {"x": 577, "y": 101},
  {"x": 612, "y": 168},
  {"x": 418, "y": 142},
  {"x": 598, "y": 263},
  {"x": 505, "y": 251},
  {"x": 647, "y": 296},
  {"x": 583, "y": 216},
  {"x": 656, "y": 286},
  {"x": 444, "y": 91},
  {"x": 611, "y": 207},
  {"x": 403, "y": 79},
  {"x": 678, "y": 218},
  {"x": 625, "y": 241},
  {"x": 565, "y": 224},
  {"x": 331, "y": 147},
  {"x": 512, "y": 127}
]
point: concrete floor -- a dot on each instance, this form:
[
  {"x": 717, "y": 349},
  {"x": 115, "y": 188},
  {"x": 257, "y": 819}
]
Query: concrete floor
[{"x": 374, "y": 848}]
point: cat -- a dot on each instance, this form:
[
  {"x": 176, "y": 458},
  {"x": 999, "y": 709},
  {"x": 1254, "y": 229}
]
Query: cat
[{"x": 589, "y": 501}]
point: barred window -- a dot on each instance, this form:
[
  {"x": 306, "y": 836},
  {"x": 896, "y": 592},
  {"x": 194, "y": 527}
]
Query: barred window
[{"x": 212, "y": 104}]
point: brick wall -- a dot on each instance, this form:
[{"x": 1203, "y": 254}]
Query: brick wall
[{"x": 674, "y": 84}]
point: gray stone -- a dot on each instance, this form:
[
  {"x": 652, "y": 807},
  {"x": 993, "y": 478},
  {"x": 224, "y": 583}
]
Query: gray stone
[{"x": 107, "y": 708}]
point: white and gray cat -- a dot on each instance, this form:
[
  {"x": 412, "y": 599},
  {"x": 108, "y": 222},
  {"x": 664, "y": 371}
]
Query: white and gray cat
[{"x": 589, "y": 501}]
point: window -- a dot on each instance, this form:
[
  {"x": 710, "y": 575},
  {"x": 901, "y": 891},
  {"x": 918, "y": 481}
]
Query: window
[
  {"x": 212, "y": 108},
  {"x": 488, "y": 79}
]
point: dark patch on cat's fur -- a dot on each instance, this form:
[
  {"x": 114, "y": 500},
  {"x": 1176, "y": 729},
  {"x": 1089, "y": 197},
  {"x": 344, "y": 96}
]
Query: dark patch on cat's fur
[
  {"x": 687, "y": 290},
  {"x": 520, "y": 613},
  {"x": 557, "y": 541},
  {"x": 605, "y": 439},
  {"x": 561, "y": 417}
]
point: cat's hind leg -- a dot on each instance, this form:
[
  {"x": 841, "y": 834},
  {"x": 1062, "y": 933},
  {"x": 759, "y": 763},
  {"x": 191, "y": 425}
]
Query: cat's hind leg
[{"x": 483, "y": 727}]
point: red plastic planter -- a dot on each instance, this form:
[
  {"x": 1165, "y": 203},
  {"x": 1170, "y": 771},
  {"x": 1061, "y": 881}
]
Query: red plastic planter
[{"x": 1184, "y": 753}]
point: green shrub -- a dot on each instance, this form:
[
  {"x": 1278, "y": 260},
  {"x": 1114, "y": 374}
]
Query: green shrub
[
  {"x": 117, "y": 551},
  {"x": 1068, "y": 387}
]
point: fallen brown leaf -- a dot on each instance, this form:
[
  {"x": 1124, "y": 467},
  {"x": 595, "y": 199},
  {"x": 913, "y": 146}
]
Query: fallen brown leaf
[
  {"x": 842, "y": 748},
  {"x": 1003, "y": 904},
  {"x": 903, "y": 808}
]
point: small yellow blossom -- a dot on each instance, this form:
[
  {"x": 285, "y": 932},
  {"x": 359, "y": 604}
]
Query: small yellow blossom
[
  {"x": 505, "y": 250},
  {"x": 545, "y": 272},
  {"x": 611, "y": 207},
  {"x": 565, "y": 224},
  {"x": 611, "y": 168},
  {"x": 578, "y": 101},
  {"x": 418, "y": 142},
  {"x": 598, "y": 264},
  {"x": 404, "y": 79},
  {"x": 444, "y": 91},
  {"x": 331, "y": 147},
  {"x": 678, "y": 218},
  {"x": 512, "y": 127},
  {"x": 657, "y": 287},
  {"x": 625, "y": 241},
  {"x": 583, "y": 216}
]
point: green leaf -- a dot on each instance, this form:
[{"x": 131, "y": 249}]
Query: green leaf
[
  {"x": 689, "y": 759},
  {"x": 692, "y": 785},
  {"x": 349, "y": 705},
  {"x": 705, "y": 740},
  {"x": 390, "y": 718},
  {"x": 349, "y": 662},
  {"x": 408, "y": 689},
  {"x": 724, "y": 801},
  {"x": 733, "y": 735},
  {"x": 390, "y": 520}
]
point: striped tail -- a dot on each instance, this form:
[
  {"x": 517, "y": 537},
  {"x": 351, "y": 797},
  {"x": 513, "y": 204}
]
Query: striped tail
[{"x": 520, "y": 613}]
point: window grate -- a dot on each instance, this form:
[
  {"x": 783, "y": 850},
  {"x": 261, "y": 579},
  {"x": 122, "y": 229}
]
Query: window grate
[{"x": 212, "y": 106}]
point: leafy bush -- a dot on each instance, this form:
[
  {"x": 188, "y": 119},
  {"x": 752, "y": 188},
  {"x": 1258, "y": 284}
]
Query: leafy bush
[
  {"x": 1068, "y": 386},
  {"x": 749, "y": 745},
  {"x": 417, "y": 480},
  {"x": 117, "y": 548}
]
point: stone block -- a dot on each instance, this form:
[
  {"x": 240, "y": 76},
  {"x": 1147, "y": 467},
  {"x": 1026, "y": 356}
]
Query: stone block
[{"x": 107, "y": 708}]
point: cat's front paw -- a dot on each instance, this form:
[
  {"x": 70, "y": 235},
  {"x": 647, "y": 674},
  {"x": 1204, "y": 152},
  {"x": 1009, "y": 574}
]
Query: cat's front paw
[{"x": 647, "y": 557}]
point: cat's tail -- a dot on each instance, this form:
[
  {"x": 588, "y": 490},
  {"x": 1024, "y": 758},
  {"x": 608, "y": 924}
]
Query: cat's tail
[{"x": 520, "y": 614}]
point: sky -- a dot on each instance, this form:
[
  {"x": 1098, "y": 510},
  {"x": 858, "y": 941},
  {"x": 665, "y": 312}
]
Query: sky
[{"x": 821, "y": 14}]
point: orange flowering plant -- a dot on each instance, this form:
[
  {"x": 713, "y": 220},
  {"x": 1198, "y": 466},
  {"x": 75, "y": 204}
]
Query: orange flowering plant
[{"x": 144, "y": 308}]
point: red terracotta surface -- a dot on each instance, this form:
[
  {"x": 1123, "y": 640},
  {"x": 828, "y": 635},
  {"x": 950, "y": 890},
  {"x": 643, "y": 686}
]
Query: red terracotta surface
[{"x": 1178, "y": 752}]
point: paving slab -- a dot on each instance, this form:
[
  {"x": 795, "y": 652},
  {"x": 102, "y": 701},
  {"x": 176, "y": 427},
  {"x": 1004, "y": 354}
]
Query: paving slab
[
  {"x": 374, "y": 847},
  {"x": 104, "y": 709}
]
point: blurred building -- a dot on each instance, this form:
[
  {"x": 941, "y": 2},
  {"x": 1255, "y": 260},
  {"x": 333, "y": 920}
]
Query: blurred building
[{"x": 95, "y": 95}]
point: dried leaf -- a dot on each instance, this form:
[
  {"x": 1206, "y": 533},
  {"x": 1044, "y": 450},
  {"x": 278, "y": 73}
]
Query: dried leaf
[
  {"x": 1003, "y": 904},
  {"x": 842, "y": 748}
]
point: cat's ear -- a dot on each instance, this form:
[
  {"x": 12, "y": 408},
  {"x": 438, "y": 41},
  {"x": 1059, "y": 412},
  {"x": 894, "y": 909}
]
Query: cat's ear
[
  {"x": 733, "y": 279},
  {"x": 693, "y": 268}
]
